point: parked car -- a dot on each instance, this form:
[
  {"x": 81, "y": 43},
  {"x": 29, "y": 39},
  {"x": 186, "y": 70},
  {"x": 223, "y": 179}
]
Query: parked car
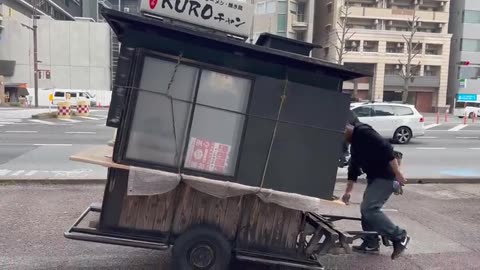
[
  {"x": 75, "y": 95},
  {"x": 398, "y": 122}
]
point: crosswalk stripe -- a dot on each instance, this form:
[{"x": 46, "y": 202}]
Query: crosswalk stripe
[
  {"x": 432, "y": 126},
  {"x": 458, "y": 127},
  {"x": 41, "y": 122},
  {"x": 90, "y": 118},
  {"x": 70, "y": 120}
]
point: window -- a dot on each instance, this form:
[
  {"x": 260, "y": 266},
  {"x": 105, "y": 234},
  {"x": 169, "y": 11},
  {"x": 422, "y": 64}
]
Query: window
[
  {"x": 470, "y": 45},
  {"x": 402, "y": 111},
  {"x": 282, "y": 23},
  {"x": 363, "y": 111},
  {"x": 471, "y": 16},
  {"x": 282, "y": 7},
  {"x": 271, "y": 5},
  {"x": 59, "y": 94},
  {"x": 293, "y": 7},
  {"x": 73, "y": 95},
  {"x": 260, "y": 8},
  {"x": 208, "y": 127},
  {"x": 383, "y": 110}
]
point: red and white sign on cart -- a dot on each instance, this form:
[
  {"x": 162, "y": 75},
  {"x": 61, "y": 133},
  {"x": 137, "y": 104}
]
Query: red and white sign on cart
[{"x": 208, "y": 156}]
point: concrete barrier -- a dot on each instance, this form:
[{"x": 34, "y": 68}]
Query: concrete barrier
[
  {"x": 83, "y": 107},
  {"x": 63, "y": 110}
]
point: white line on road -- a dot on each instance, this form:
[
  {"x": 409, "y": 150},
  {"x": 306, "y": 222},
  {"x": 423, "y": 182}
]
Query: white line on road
[
  {"x": 41, "y": 122},
  {"x": 388, "y": 210},
  {"x": 21, "y": 131},
  {"x": 31, "y": 173},
  {"x": 17, "y": 173},
  {"x": 7, "y": 123},
  {"x": 90, "y": 118},
  {"x": 69, "y": 120},
  {"x": 474, "y": 148},
  {"x": 80, "y": 132},
  {"x": 431, "y": 148},
  {"x": 427, "y": 137},
  {"x": 4, "y": 172},
  {"x": 467, "y": 137},
  {"x": 432, "y": 126},
  {"x": 52, "y": 144},
  {"x": 458, "y": 127}
]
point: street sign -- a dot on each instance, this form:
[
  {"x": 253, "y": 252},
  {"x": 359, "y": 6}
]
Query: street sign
[
  {"x": 229, "y": 16},
  {"x": 463, "y": 83},
  {"x": 467, "y": 97}
]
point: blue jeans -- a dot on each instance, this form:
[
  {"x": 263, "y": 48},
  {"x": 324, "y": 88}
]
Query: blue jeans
[{"x": 373, "y": 219}]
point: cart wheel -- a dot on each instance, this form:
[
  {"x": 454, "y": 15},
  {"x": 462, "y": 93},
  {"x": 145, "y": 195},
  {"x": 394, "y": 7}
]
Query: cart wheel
[{"x": 201, "y": 247}]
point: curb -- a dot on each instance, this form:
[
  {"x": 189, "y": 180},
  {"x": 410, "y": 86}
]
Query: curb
[
  {"x": 48, "y": 115},
  {"x": 413, "y": 181},
  {"x": 53, "y": 181}
]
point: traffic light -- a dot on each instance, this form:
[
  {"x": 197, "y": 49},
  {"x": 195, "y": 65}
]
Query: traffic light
[{"x": 464, "y": 63}]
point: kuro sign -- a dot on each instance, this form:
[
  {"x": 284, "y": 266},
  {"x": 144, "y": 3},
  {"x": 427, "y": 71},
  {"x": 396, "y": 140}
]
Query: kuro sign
[{"x": 229, "y": 16}]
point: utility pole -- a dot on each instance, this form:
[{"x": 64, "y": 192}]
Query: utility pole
[{"x": 35, "y": 52}]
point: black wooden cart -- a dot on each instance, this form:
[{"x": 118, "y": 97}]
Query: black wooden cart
[{"x": 269, "y": 125}]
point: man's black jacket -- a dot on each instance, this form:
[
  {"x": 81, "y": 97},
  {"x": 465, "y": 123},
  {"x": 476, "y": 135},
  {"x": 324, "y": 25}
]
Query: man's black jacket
[{"x": 371, "y": 154}]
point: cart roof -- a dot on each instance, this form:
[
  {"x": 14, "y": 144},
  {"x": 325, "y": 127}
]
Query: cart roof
[{"x": 122, "y": 22}]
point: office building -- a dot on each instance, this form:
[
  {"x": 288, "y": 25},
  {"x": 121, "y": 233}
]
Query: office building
[
  {"x": 464, "y": 81},
  {"x": 378, "y": 45}
]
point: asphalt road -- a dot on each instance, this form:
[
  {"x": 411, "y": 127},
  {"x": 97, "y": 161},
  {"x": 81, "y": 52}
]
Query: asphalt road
[
  {"x": 442, "y": 220},
  {"x": 32, "y": 149}
]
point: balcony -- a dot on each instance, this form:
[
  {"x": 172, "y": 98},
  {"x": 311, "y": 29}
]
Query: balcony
[
  {"x": 300, "y": 22},
  {"x": 398, "y": 14},
  {"x": 423, "y": 81}
]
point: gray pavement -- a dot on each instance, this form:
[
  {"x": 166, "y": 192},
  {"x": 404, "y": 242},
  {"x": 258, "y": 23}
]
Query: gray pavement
[{"x": 442, "y": 220}]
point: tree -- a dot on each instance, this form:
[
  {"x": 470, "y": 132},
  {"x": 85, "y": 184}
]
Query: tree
[
  {"x": 407, "y": 73},
  {"x": 343, "y": 32},
  {"x": 344, "y": 35}
]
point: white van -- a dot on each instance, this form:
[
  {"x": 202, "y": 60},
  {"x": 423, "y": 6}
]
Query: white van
[{"x": 60, "y": 95}]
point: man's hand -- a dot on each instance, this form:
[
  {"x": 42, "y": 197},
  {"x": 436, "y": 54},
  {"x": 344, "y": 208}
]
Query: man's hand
[
  {"x": 346, "y": 198},
  {"x": 401, "y": 179}
]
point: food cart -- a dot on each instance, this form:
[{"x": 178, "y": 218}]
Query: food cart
[{"x": 224, "y": 149}]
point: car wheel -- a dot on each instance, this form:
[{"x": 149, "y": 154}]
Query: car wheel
[
  {"x": 201, "y": 247},
  {"x": 402, "y": 135}
]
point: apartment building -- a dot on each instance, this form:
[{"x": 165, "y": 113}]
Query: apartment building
[
  {"x": 378, "y": 45},
  {"x": 464, "y": 81},
  {"x": 292, "y": 19}
]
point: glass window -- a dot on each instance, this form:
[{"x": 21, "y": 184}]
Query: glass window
[
  {"x": 383, "y": 110},
  {"x": 216, "y": 134},
  {"x": 282, "y": 23},
  {"x": 271, "y": 5},
  {"x": 402, "y": 111},
  {"x": 73, "y": 95},
  {"x": 282, "y": 7},
  {"x": 152, "y": 135},
  {"x": 260, "y": 8},
  {"x": 470, "y": 45},
  {"x": 363, "y": 111},
  {"x": 471, "y": 16},
  {"x": 59, "y": 94}
]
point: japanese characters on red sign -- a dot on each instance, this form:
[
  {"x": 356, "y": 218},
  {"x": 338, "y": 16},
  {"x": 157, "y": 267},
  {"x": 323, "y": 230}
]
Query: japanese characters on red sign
[{"x": 207, "y": 156}]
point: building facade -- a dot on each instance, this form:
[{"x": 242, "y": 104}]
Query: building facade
[
  {"x": 376, "y": 42},
  {"x": 292, "y": 19},
  {"x": 465, "y": 27},
  {"x": 71, "y": 54}
]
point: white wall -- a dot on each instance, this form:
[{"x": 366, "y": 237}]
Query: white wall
[{"x": 76, "y": 53}]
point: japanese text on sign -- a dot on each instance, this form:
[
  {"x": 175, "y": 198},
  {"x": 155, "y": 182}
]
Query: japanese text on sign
[
  {"x": 228, "y": 16},
  {"x": 207, "y": 156}
]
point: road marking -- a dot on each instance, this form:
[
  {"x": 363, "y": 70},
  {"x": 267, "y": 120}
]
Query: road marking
[
  {"x": 432, "y": 126},
  {"x": 388, "y": 210},
  {"x": 431, "y": 148},
  {"x": 457, "y": 128},
  {"x": 31, "y": 173},
  {"x": 1, "y": 125},
  {"x": 41, "y": 122},
  {"x": 90, "y": 118},
  {"x": 427, "y": 137},
  {"x": 70, "y": 120},
  {"x": 21, "y": 131},
  {"x": 467, "y": 137},
  {"x": 80, "y": 132},
  {"x": 17, "y": 173},
  {"x": 4, "y": 172},
  {"x": 52, "y": 144},
  {"x": 7, "y": 123},
  {"x": 474, "y": 148}
]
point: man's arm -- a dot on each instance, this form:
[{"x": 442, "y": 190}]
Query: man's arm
[
  {"x": 353, "y": 172},
  {"x": 398, "y": 173}
]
